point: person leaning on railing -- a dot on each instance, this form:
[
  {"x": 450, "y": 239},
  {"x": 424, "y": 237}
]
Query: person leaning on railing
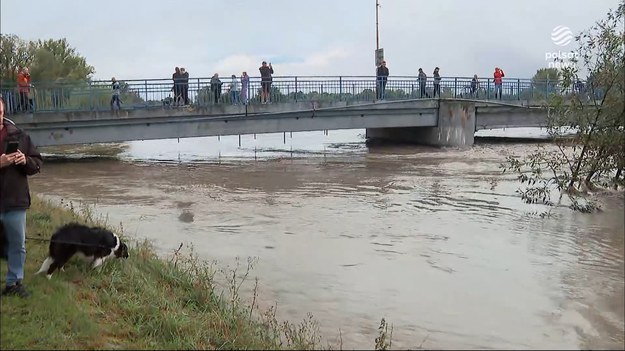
[{"x": 15, "y": 168}]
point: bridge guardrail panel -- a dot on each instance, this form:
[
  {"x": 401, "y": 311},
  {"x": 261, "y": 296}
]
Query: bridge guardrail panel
[{"x": 71, "y": 96}]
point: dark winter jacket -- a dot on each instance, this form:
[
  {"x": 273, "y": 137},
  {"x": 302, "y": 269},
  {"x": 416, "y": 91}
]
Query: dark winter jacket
[{"x": 14, "y": 190}]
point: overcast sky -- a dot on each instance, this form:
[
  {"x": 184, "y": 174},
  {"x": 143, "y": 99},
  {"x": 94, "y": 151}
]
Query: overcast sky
[{"x": 148, "y": 38}]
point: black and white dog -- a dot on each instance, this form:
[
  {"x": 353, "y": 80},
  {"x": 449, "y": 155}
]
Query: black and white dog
[{"x": 95, "y": 243}]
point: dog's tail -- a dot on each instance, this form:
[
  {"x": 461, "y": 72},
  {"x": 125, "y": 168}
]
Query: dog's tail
[{"x": 45, "y": 265}]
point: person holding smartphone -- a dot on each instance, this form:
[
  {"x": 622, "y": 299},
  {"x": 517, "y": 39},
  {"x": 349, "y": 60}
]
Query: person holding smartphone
[
  {"x": 19, "y": 158},
  {"x": 265, "y": 82}
]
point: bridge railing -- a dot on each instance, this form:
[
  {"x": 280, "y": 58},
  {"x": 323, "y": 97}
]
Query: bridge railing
[{"x": 158, "y": 93}]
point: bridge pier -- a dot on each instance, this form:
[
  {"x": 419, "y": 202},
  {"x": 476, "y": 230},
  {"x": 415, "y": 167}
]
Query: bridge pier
[{"x": 456, "y": 128}]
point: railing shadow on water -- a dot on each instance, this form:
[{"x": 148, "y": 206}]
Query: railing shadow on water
[{"x": 79, "y": 96}]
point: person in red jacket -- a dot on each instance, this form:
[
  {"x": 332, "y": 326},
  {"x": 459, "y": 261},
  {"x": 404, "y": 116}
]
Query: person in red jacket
[
  {"x": 23, "y": 86},
  {"x": 15, "y": 167},
  {"x": 498, "y": 78}
]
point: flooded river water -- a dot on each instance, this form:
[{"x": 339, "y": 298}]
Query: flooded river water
[{"x": 434, "y": 240}]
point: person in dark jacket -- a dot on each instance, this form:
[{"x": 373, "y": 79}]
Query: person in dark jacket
[
  {"x": 437, "y": 82},
  {"x": 216, "y": 88},
  {"x": 422, "y": 79},
  {"x": 15, "y": 168},
  {"x": 265, "y": 82},
  {"x": 382, "y": 77},
  {"x": 177, "y": 88},
  {"x": 185, "y": 85},
  {"x": 475, "y": 85}
]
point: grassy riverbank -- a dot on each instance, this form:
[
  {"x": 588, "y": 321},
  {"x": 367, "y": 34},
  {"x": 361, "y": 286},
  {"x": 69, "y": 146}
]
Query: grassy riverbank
[{"x": 139, "y": 303}]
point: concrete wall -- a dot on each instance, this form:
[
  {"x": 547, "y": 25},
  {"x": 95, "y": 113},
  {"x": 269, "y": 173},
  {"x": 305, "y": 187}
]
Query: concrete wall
[
  {"x": 510, "y": 117},
  {"x": 456, "y": 127}
]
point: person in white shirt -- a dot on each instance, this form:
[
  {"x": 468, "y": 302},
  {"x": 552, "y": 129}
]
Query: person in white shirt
[{"x": 235, "y": 90}]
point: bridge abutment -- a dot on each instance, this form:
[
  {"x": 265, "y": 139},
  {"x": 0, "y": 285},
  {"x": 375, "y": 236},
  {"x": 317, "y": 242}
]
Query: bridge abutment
[{"x": 456, "y": 127}]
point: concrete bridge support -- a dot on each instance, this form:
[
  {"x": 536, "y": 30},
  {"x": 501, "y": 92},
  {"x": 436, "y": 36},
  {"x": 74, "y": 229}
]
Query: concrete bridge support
[{"x": 456, "y": 127}]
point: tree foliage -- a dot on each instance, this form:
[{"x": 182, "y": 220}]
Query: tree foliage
[
  {"x": 54, "y": 59},
  {"x": 545, "y": 81},
  {"x": 48, "y": 60},
  {"x": 61, "y": 76},
  {"x": 14, "y": 53},
  {"x": 588, "y": 130}
]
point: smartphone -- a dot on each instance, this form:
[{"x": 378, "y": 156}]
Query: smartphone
[{"x": 12, "y": 147}]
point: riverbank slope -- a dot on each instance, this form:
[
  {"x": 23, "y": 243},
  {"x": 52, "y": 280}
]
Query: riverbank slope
[{"x": 138, "y": 303}]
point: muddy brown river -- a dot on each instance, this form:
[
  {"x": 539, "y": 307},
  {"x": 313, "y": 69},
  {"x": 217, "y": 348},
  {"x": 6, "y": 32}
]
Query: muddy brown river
[{"x": 434, "y": 240}]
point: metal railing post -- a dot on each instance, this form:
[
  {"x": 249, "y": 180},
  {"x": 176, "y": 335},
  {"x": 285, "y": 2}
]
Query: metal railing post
[
  {"x": 296, "y": 91},
  {"x": 455, "y": 87},
  {"x": 146, "y": 92},
  {"x": 91, "y": 104},
  {"x": 197, "y": 93},
  {"x": 340, "y": 88},
  {"x": 518, "y": 89},
  {"x": 488, "y": 89}
]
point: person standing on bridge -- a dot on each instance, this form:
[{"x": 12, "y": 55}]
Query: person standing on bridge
[
  {"x": 216, "y": 88},
  {"x": 245, "y": 87},
  {"x": 437, "y": 83},
  {"x": 184, "y": 77},
  {"x": 115, "y": 98},
  {"x": 15, "y": 200},
  {"x": 381, "y": 79},
  {"x": 234, "y": 90},
  {"x": 177, "y": 88},
  {"x": 23, "y": 85},
  {"x": 475, "y": 85},
  {"x": 422, "y": 78},
  {"x": 265, "y": 82},
  {"x": 498, "y": 78}
]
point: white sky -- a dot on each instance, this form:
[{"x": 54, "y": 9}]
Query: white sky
[{"x": 147, "y": 38}]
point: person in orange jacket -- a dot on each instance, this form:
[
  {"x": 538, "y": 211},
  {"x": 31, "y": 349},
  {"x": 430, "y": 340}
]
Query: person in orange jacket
[
  {"x": 23, "y": 86},
  {"x": 498, "y": 75}
]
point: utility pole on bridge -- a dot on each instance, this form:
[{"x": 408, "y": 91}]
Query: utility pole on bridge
[{"x": 379, "y": 53}]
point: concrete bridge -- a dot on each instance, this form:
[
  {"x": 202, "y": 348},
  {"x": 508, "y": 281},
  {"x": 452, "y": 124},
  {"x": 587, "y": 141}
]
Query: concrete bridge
[
  {"x": 61, "y": 113},
  {"x": 440, "y": 122}
]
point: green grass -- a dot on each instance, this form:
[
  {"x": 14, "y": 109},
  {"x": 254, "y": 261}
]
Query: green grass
[{"x": 138, "y": 303}]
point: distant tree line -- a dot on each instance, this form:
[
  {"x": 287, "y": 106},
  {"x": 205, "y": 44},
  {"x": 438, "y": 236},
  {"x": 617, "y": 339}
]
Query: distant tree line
[{"x": 57, "y": 70}]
